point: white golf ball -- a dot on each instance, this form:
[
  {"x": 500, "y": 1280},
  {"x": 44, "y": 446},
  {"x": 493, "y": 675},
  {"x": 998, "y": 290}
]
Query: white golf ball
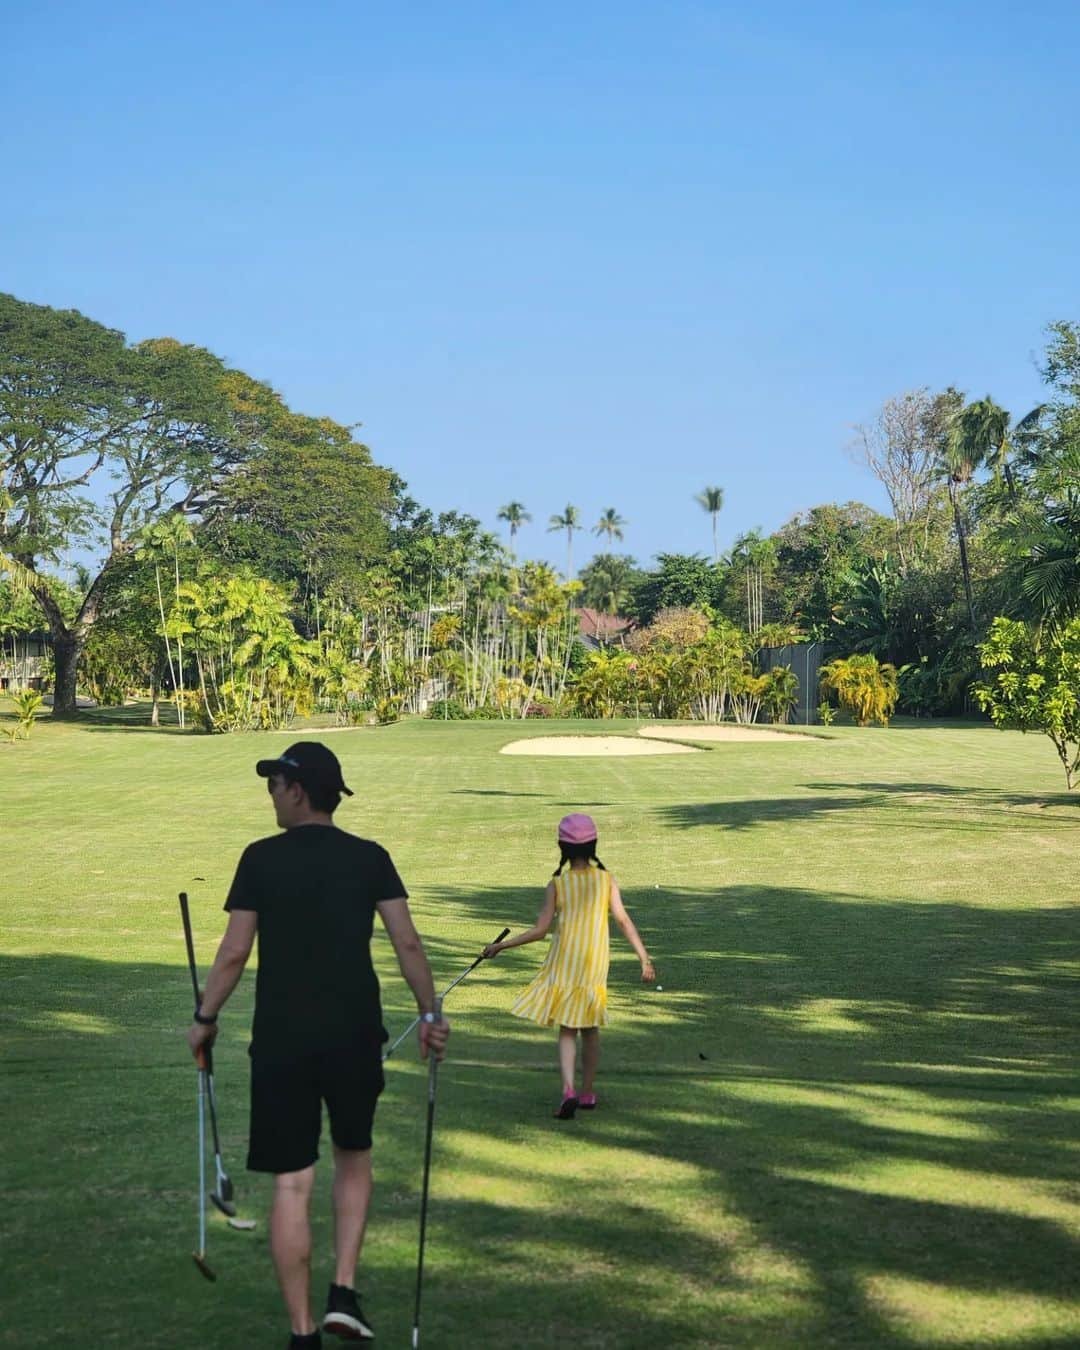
[{"x": 659, "y": 988}]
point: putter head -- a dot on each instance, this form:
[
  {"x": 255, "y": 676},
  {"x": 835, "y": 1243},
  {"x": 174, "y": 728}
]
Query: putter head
[
  {"x": 204, "y": 1269},
  {"x": 219, "y": 1202},
  {"x": 225, "y": 1189}
]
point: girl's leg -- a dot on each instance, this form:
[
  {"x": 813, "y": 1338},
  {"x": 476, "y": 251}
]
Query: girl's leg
[
  {"x": 568, "y": 1057},
  {"x": 590, "y": 1058}
]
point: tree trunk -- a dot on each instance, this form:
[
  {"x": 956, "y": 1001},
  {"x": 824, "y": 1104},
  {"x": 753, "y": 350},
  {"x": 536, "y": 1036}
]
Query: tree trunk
[
  {"x": 961, "y": 537},
  {"x": 67, "y": 648}
]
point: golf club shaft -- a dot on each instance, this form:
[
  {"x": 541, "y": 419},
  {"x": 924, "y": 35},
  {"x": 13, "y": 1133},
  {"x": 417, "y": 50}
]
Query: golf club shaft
[
  {"x": 433, "y": 1073},
  {"x": 207, "y": 1050},
  {"x": 189, "y": 941},
  {"x": 211, "y": 1101},
  {"x": 444, "y": 993},
  {"x": 185, "y": 914},
  {"x": 202, "y": 1161}
]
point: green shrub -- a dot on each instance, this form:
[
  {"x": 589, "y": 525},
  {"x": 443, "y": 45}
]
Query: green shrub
[
  {"x": 28, "y": 703},
  {"x": 453, "y": 710}
]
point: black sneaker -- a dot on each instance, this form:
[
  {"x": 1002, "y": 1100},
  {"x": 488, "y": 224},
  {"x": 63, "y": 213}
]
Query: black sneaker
[
  {"x": 344, "y": 1315},
  {"x": 312, "y": 1341}
]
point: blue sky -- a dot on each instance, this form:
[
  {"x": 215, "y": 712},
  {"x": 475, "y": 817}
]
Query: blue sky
[{"x": 604, "y": 253}]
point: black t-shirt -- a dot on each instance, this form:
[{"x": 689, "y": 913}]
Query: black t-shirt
[{"x": 315, "y": 889}]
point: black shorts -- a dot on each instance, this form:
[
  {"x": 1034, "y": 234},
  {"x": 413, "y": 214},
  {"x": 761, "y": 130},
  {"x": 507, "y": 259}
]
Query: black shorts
[{"x": 287, "y": 1093}]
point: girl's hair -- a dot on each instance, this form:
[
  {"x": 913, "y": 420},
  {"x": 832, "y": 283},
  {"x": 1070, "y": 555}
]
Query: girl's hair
[{"x": 569, "y": 852}]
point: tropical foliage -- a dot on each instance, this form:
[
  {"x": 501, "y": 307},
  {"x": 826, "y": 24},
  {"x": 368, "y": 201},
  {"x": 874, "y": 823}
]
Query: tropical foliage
[
  {"x": 863, "y": 686},
  {"x": 257, "y": 562},
  {"x": 1033, "y": 684}
]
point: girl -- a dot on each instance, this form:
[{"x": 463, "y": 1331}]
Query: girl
[{"x": 571, "y": 988}]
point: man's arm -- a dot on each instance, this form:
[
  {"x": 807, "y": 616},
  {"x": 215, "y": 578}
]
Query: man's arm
[
  {"x": 232, "y": 956},
  {"x": 414, "y": 966}
]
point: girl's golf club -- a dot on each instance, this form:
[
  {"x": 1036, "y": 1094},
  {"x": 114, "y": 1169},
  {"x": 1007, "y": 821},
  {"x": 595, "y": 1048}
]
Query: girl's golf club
[
  {"x": 222, "y": 1194},
  {"x": 433, "y": 1071},
  {"x": 444, "y": 993}
]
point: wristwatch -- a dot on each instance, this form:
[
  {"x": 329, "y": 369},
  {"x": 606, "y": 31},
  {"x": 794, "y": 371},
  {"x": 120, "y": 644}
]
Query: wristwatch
[
  {"x": 205, "y": 1021},
  {"x": 430, "y": 1017}
]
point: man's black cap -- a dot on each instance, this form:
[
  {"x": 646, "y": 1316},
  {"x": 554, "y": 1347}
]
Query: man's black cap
[{"x": 308, "y": 763}]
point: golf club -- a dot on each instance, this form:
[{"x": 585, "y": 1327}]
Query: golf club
[
  {"x": 433, "y": 1071},
  {"x": 199, "y": 1257},
  {"x": 222, "y": 1194},
  {"x": 444, "y": 993}
]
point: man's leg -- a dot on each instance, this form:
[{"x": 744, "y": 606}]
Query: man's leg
[
  {"x": 352, "y": 1194},
  {"x": 290, "y": 1244}
]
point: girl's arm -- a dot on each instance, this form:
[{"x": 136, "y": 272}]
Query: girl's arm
[
  {"x": 539, "y": 930},
  {"x": 626, "y": 923}
]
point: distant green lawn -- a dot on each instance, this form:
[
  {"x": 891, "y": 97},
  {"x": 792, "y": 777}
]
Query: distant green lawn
[{"x": 850, "y": 1118}]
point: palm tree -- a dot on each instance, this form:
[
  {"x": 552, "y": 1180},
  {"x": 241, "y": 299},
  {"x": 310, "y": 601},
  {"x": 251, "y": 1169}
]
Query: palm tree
[
  {"x": 974, "y": 437},
  {"x": 757, "y": 556},
  {"x": 1008, "y": 441},
  {"x": 515, "y": 515},
  {"x": 606, "y": 583},
  {"x": 610, "y": 523},
  {"x": 568, "y": 521},
  {"x": 711, "y": 499}
]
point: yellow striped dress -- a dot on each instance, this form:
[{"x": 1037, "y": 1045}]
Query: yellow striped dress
[{"x": 571, "y": 988}]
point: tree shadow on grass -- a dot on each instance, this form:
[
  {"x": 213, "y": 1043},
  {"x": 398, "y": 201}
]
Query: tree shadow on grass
[
  {"x": 885, "y": 1107},
  {"x": 982, "y": 797},
  {"x": 959, "y": 810}
]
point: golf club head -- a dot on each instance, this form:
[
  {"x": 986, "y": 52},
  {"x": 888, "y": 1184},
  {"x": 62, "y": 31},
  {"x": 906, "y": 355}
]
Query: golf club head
[
  {"x": 226, "y": 1206},
  {"x": 204, "y": 1269},
  {"x": 225, "y": 1186}
]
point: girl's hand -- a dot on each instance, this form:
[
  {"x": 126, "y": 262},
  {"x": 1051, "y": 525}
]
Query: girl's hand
[
  {"x": 648, "y": 972},
  {"x": 492, "y": 949}
]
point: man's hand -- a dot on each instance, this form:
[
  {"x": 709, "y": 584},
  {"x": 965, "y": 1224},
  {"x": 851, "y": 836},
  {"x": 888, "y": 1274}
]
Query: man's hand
[
  {"x": 492, "y": 949},
  {"x": 199, "y": 1036},
  {"x": 433, "y": 1036}
]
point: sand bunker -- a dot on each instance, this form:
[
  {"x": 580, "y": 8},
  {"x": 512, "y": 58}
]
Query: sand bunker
[
  {"x": 592, "y": 745},
  {"x": 701, "y": 731}
]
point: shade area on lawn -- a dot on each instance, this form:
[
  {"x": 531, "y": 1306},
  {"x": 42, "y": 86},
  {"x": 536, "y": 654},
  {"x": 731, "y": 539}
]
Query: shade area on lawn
[{"x": 849, "y": 1119}]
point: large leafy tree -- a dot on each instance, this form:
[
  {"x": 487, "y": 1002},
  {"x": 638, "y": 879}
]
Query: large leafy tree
[
  {"x": 815, "y": 553},
  {"x": 307, "y": 507},
  {"x": 679, "y": 579},
  {"x": 77, "y": 403}
]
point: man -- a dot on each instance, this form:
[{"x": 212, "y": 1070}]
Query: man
[{"x": 311, "y": 894}]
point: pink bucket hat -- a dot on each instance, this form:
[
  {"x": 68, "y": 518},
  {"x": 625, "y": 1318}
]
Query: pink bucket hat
[{"x": 576, "y": 829}]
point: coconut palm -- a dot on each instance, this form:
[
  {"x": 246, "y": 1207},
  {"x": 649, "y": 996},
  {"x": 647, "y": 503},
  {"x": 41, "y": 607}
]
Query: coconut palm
[
  {"x": 711, "y": 499},
  {"x": 611, "y": 524},
  {"x": 606, "y": 583},
  {"x": 515, "y": 515},
  {"x": 974, "y": 436},
  {"x": 1006, "y": 441},
  {"x": 568, "y": 521}
]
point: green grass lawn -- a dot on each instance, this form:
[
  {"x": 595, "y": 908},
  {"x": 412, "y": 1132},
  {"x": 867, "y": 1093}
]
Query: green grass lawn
[{"x": 849, "y": 1119}]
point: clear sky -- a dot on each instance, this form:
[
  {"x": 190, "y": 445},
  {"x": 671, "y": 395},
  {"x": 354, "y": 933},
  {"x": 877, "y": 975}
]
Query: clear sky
[{"x": 602, "y": 253}]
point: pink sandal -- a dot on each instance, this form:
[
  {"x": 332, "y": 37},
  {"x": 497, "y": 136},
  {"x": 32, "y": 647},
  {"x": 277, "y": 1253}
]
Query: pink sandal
[{"x": 587, "y": 1101}]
